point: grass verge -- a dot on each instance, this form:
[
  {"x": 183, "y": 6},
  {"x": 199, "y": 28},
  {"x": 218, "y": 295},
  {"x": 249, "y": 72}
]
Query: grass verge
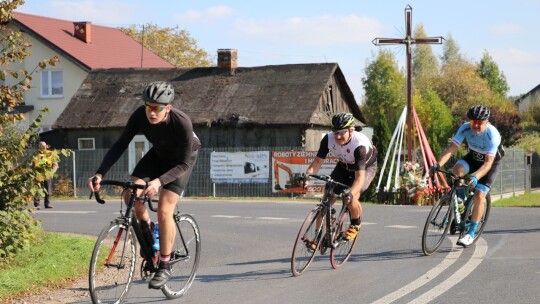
[
  {"x": 54, "y": 262},
  {"x": 525, "y": 200}
]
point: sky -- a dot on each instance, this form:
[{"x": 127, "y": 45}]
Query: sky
[{"x": 341, "y": 31}]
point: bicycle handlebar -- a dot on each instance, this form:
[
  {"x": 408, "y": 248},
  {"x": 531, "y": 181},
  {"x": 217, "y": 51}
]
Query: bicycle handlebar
[
  {"x": 328, "y": 179},
  {"x": 125, "y": 185},
  {"x": 452, "y": 174}
]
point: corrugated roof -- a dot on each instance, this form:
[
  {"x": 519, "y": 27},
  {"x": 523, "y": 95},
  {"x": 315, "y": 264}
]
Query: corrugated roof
[
  {"x": 280, "y": 94},
  {"x": 109, "y": 47}
]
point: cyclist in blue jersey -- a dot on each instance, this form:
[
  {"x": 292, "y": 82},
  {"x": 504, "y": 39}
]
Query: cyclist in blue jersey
[{"x": 481, "y": 163}]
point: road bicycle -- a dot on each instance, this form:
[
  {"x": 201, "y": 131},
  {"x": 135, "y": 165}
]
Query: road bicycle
[
  {"x": 114, "y": 259},
  {"x": 322, "y": 230},
  {"x": 448, "y": 215}
]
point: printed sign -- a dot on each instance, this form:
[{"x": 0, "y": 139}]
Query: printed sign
[
  {"x": 290, "y": 167},
  {"x": 240, "y": 167}
]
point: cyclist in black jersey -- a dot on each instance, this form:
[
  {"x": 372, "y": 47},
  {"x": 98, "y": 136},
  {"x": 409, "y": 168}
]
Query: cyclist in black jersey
[
  {"x": 167, "y": 165},
  {"x": 356, "y": 167}
]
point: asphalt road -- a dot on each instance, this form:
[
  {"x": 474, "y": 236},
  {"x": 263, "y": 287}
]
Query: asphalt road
[{"x": 247, "y": 246}]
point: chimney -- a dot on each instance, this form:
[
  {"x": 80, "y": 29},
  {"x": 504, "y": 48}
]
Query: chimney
[
  {"x": 83, "y": 31},
  {"x": 227, "y": 59}
]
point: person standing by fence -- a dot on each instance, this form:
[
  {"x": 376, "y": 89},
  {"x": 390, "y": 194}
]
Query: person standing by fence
[{"x": 46, "y": 184}]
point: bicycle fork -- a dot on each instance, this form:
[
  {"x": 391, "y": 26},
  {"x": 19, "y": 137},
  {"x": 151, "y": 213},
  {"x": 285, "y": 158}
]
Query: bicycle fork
[{"x": 121, "y": 263}]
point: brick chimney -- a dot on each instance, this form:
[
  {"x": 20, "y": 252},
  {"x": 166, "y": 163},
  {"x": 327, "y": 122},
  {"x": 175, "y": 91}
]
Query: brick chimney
[
  {"x": 227, "y": 59},
  {"x": 83, "y": 31}
]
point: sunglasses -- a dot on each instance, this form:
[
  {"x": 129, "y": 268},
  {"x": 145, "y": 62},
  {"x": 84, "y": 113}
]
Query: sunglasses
[
  {"x": 156, "y": 109},
  {"x": 341, "y": 132},
  {"x": 475, "y": 123}
]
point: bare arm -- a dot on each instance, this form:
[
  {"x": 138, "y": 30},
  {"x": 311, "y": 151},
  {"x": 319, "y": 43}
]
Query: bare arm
[
  {"x": 447, "y": 153},
  {"x": 315, "y": 166}
]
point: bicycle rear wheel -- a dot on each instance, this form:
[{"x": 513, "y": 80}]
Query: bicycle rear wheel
[
  {"x": 113, "y": 262},
  {"x": 310, "y": 233},
  {"x": 184, "y": 257},
  {"x": 437, "y": 225},
  {"x": 483, "y": 220},
  {"x": 343, "y": 248}
]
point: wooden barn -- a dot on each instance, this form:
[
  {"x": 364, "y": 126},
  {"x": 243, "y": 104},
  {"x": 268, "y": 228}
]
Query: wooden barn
[{"x": 268, "y": 106}]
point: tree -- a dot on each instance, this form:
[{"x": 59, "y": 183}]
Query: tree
[
  {"x": 436, "y": 119},
  {"x": 460, "y": 87},
  {"x": 384, "y": 88},
  {"x": 530, "y": 119},
  {"x": 20, "y": 167},
  {"x": 171, "y": 43},
  {"x": 489, "y": 70},
  {"x": 508, "y": 125},
  {"x": 451, "y": 53},
  {"x": 425, "y": 65},
  {"x": 530, "y": 142}
]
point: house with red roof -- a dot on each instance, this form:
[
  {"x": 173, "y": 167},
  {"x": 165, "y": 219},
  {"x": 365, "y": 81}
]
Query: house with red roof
[{"x": 81, "y": 47}]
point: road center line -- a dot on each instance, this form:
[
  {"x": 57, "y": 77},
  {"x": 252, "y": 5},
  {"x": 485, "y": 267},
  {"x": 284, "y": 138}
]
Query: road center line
[
  {"x": 66, "y": 212},
  {"x": 272, "y": 218},
  {"x": 450, "y": 259},
  {"x": 480, "y": 251},
  {"x": 226, "y": 216}
]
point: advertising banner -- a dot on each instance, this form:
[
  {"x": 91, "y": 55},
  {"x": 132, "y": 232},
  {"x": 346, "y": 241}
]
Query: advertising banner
[
  {"x": 239, "y": 167},
  {"x": 290, "y": 167}
]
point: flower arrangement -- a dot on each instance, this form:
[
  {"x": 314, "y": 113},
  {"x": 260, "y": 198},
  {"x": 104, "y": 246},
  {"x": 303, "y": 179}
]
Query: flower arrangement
[{"x": 416, "y": 185}]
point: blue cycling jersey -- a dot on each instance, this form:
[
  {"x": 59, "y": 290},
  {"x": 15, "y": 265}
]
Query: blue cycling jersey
[{"x": 486, "y": 143}]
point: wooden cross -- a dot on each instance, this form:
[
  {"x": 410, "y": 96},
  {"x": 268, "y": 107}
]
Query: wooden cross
[{"x": 408, "y": 41}]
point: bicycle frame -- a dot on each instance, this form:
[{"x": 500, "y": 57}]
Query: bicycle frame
[
  {"x": 128, "y": 219},
  {"x": 112, "y": 283},
  {"x": 457, "y": 183},
  {"x": 327, "y": 210}
]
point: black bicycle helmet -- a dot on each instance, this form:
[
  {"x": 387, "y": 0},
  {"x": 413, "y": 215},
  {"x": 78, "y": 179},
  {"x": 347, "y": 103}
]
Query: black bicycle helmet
[
  {"x": 478, "y": 112},
  {"x": 342, "y": 121},
  {"x": 159, "y": 91}
]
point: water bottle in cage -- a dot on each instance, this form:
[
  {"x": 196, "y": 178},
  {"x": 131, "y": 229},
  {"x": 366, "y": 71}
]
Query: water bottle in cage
[{"x": 155, "y": 234}]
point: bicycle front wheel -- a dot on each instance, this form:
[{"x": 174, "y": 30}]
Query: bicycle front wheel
[
  {"x": 342, "y": 249},
  {"x": 437, "y": 225},
  {"x": 112, "y": 266},
  {"x": 308, "y": 240},
  {"x": 184, "y": 257},
  {"x": 483, "y": 220}
]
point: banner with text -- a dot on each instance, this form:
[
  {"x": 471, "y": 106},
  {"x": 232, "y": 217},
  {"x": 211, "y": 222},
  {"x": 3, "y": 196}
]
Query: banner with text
[
  {"x": 239, "y": 167},
  {"x": 290, "y": 167}
]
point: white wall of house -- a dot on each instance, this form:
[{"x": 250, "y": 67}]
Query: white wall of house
[{"x": 72, "y": 76}]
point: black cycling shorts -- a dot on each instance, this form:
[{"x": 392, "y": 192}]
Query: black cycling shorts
[
  {"x": 151, "y": 167},
  {"x": 344, "y": 176},
  {"x": 474, "y": 165}
]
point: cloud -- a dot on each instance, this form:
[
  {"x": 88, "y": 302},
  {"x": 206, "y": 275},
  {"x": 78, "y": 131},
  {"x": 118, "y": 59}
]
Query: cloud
[
  {"x": 315, "y": 31},
  {"x": 520, "y": 68},
  {"x": 99, "y": 11},
  {"x": 210, "y": 14},
  {"x": 507, "y": 28},
  {"x": 512, "y": 56}
]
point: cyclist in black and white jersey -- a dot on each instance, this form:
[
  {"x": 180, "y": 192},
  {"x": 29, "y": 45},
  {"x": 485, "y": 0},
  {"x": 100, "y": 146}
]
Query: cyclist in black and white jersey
[
  {"x": 356, "y": 167},
  {"x": 167, "y": 165},
  {"x": 481, "y": 163}
]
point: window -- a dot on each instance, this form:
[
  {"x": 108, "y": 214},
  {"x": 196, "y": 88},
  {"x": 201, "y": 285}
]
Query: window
[
  {"x": 52, "y": 83},
  {"x": 86, "y": 143}
]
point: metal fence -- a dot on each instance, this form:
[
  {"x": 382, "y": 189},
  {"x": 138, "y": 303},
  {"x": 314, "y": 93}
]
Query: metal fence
[{"x": 513, "y": 177}]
